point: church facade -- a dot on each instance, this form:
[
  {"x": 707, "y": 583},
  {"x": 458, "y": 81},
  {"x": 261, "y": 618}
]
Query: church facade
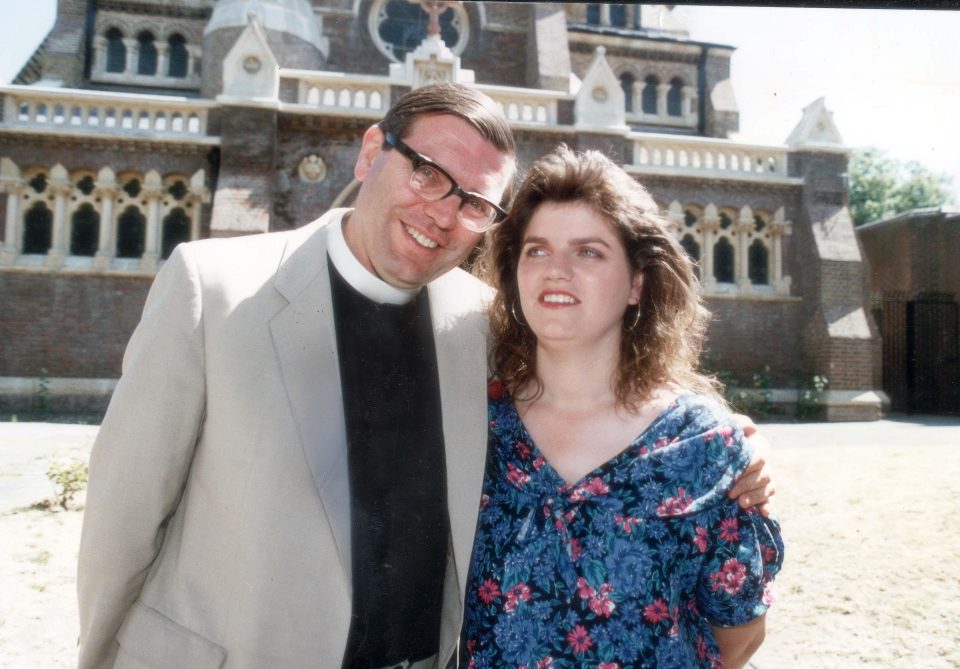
[{"x": 141, "y": 124}]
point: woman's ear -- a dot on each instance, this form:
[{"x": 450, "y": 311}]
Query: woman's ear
[{"x": 636, "y": 288}]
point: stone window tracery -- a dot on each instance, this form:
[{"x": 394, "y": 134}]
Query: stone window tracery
[
  {"x": 148, "y": 52},
  {"x": 399, "y": 26},
  {"x": 98, "y": 221},
  {"x": 738, "y": 252}
]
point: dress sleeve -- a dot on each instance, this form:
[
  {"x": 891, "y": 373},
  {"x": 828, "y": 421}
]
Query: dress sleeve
[{"x": 743, "y": 551}]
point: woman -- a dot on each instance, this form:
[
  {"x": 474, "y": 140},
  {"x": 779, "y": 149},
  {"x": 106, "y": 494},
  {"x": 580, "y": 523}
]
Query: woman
[{"x": 598, "y": 547}]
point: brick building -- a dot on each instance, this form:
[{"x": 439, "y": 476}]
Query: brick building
[
  {"x": 915, "y": 282},
  {"x": 139, "y": 124}
]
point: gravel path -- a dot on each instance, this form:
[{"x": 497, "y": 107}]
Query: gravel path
[{"x": 870, "y": 513}]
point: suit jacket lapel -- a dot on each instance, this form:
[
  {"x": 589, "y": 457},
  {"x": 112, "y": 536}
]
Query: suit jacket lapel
[
  {"x": 304, "y": 337},
  {"x": 459, "y": 335}
]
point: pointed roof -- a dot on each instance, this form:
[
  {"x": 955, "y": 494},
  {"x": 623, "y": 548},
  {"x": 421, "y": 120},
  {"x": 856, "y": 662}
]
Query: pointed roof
[{"x": 816, "y": 130}]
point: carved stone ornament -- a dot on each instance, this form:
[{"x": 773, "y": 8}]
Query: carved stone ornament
[
  {"x": 312, "y": 169},
  {"x": 599, "y": 94},
  {"x": 252, "y": 64}
]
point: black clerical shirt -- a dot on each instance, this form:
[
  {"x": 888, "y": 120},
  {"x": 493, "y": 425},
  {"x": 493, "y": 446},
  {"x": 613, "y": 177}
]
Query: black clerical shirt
[{"x": 399, "y": 522}]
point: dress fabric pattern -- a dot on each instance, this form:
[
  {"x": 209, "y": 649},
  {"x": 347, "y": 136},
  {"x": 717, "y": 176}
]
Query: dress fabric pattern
[{"x": 628, "y": 566}]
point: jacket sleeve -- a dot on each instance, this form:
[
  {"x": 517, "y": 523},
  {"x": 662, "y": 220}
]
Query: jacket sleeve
[{"x": 142, "y": 455}]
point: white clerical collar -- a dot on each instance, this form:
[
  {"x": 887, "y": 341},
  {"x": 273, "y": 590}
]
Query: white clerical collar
[{"x": 358, "y": 276}]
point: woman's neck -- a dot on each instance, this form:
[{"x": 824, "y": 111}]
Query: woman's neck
[{"x": 582, "y": 378}]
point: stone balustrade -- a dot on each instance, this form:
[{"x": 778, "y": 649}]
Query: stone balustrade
[
  {"x": 671, "y": 154},
  {"x": 340, "y": 92},
  {"x": 525, "y": 105},
  {"x": 95, "y": 111}
]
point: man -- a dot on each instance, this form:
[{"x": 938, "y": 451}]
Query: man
[{"x": 289, "y": 471}]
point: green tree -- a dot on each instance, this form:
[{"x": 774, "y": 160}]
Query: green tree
[{"x": 881, "y": 186}]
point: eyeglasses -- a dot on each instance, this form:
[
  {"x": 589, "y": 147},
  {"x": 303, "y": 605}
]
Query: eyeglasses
[{"x": 432, "y": 183}]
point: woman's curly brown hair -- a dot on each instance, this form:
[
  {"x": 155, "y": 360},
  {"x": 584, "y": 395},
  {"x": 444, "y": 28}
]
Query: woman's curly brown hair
[{"x": 664, "y": 346}]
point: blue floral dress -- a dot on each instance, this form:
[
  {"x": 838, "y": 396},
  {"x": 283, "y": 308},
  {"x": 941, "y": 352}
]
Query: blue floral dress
[{"x": 627, "y": 567}]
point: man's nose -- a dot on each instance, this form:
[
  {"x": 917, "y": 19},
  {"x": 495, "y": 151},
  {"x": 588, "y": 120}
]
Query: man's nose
[{"x": 445, "y": 212}]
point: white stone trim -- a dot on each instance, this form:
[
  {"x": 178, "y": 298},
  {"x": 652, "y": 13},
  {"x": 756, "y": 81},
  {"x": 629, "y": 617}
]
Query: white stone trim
[
  {"x": 61, "y": 184},
  {"x": 741, "y": 235}
]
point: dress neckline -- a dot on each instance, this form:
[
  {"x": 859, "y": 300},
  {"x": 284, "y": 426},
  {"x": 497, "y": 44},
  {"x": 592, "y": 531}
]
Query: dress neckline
[{"x": 559, "y": 482}]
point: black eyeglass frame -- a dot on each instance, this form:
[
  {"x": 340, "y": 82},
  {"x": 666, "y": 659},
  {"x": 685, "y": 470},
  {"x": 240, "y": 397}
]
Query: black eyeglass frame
[{"x": 419, "y": 160}]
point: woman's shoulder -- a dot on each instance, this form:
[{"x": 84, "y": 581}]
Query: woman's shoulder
[
  {"x": 692, "y": 415},
  {"x": 695, "y": 450}
]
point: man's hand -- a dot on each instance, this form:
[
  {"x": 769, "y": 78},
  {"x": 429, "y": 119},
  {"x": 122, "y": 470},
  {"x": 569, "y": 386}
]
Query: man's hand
[{"x": 754, "y": 487}]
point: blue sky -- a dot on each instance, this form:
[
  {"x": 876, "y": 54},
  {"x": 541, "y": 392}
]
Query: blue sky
[{"x": 891, "y": 77}]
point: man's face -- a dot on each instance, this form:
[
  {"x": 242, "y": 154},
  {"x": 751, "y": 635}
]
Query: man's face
[{"x": 402, "y": 238}]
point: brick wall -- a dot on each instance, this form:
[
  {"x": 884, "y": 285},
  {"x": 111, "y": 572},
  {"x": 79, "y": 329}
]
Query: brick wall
[{"x": 58, "y": 325}]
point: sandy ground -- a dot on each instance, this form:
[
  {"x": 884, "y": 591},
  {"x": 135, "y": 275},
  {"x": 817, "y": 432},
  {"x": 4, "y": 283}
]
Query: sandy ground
[{"x": 870, "y": 513}]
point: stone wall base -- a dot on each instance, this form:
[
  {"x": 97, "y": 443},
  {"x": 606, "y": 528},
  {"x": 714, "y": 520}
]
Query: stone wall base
[{"x": 40, "y": 398}]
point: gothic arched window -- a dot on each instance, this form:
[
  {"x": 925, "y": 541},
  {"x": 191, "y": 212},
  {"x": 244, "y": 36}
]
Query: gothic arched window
[
  {"x": 147, "y": 62},
  {"x": 649, "y": 101},
  {"x": 627, "y": 84},
  {"x": 37, "y": 229},
  {"x": 179, "y": 59},
  {"x": 131, "y": 233},
  {"x": 690, "y": 245},
  {"x": 176, "y": 229},
  {"x": 116, "y": 51},
  {"x": 618, "y": 15},
  {"x": 84, "y": 230},
  {"x": 759, "y": 264},
  {"x": 593, "y": 14},
  {"x": 723, "y": 261},
  {"x": 675, "y": 97}
]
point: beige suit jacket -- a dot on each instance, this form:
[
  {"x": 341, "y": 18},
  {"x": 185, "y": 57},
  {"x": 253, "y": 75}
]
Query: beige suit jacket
[{"x": 217, "y": 529}]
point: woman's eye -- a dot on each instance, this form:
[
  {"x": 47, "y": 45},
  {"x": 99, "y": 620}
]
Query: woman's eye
[
  {"x": 590, "y": 253},
  {"x": 535, "y": 251}
]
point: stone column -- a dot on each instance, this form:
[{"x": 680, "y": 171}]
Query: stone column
[
  {"x": 133, "y": 55},
  {"x": 106, "y": 190},
  {"x": 778, "y": 228},
  {"x": 197, "y": 196},
  {"x": 689, "y": 113},
  {"x": 60, "y": 188},
  {"x": 194, "y": 53},
  {"x": 99, "y": 54},
  {"x": 152, "y": 193},
  {"x": 709, "y": 224},
  {"x": 13, "y": 185},
  {"x": 743, "y": 228},
  {"x": 163, "y": 58},
  {"x": 662, "y": 90}
]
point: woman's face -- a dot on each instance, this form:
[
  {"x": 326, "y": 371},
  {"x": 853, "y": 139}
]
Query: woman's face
[{"x": 573, "y": 276}]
